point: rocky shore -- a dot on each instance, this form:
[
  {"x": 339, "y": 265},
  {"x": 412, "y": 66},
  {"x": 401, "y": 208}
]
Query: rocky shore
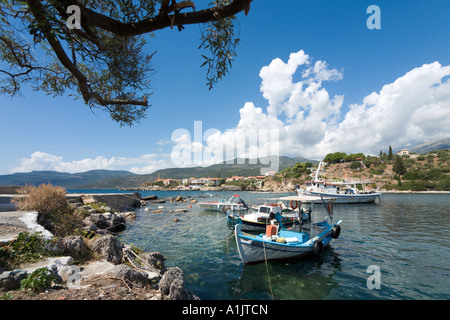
[{"x": 97, "y": 265}]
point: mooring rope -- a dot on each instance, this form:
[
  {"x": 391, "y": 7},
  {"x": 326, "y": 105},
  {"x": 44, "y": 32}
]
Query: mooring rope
[{"x": 267, "y": 270}]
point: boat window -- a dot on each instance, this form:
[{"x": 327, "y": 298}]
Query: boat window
[{"x": 264, "y": 209}]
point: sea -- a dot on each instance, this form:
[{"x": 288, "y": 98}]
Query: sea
[{"x": 395, "y": 249}]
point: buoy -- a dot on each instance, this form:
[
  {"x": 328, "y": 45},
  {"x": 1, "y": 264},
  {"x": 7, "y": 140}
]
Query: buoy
[
  {"x": 318, "y": 247},
  {"x": 336, "y": 231}
]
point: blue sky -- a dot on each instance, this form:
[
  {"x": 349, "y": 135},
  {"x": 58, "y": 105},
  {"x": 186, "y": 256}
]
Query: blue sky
[{"x": 357, "y": 90}]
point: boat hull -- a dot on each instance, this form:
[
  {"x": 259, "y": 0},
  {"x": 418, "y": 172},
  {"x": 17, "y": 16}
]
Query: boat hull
[
  {"x": 217, "y": 206},
  {"x": 342, "y": 198},
  {"x": 254, "y": 249}
]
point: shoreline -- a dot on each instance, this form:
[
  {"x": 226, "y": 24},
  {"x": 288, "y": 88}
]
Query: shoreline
[{"x": 279, "y": 191}]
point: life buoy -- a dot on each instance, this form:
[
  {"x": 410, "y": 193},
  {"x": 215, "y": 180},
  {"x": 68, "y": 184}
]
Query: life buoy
[
  {"x": 335, "y": 231},
  {"x": 294, "y": 204},
  {"x": 318, "y": 248}
]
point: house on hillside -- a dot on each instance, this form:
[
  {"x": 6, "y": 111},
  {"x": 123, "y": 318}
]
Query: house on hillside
[
  {"x": 235, "y": 178},
  {"x": 403, "y": 152},
  {"x": 167, "y": 182}
]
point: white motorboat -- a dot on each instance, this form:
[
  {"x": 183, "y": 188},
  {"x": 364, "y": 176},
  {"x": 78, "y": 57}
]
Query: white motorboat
[
  {"x": 235, "y": 203},
  {"x": 339, "y": 191}
]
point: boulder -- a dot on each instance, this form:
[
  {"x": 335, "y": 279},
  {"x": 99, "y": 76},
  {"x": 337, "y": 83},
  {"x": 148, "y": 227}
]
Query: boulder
[
  {"x": 130, "y": 215},
  {"x": 150, "y": 198},
  {"x": 130, "y": 275},
  {"x": 153, "y": 261},
  {"x": 73, "y": 246},
  {"x": 172, "y": 287},
  {"x": 61, "y": 267},
  {"x": 10, "y": 280},
  {"x": 108, "y": 221},
  {"x": 109, "y": 247}
]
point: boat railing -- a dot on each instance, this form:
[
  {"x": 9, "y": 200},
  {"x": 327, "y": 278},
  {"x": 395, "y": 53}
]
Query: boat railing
[{"x": 348, "y": 181}]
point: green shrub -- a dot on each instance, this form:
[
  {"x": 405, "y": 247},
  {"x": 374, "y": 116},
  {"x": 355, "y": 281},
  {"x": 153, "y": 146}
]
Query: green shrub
[
  {"x": 355, "y": 165},
  {"x": 24, "y": 249},
  {"x": 39, "y": 280}
]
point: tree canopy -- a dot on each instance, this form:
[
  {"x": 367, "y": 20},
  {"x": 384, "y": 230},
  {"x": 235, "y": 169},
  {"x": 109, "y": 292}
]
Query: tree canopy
[
  {"x": 337, "y": 157},
  {"x": 103, "y": 59}
]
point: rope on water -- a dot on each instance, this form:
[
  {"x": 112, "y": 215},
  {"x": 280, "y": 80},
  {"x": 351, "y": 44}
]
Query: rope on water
[{"x": 267, "y": 270}]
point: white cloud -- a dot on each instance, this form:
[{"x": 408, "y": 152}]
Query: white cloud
[
  {"x": 146, "y": 163},
  {"x": 413, "y": 109},
  {"x": 300, "y": 118}
]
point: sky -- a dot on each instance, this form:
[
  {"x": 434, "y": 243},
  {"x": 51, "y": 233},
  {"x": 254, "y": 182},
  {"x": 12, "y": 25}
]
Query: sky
[{"x": 310, "y": 78}]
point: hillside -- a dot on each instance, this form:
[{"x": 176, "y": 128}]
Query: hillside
[
  {"x": 426, "y": 147},
  {"x": 109, "y": 179},
  {"x": 222, "y": 170},
  {"x": 424, "y": 172},
  {"x": 64, "y": 179}
]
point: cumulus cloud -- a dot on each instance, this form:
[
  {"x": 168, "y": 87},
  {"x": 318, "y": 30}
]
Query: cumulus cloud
[
  {"x": 413, "y": 109},
  {"x": 146, "y": 163},
  {"x": 301, "y": 118}
]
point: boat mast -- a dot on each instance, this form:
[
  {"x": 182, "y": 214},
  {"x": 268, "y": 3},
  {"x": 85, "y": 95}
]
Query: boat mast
[{"x": 316, "y": 178}]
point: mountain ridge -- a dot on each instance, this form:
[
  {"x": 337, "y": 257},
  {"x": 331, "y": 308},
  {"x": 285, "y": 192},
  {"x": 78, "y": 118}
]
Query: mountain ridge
[{"x": 124, "y": 179}]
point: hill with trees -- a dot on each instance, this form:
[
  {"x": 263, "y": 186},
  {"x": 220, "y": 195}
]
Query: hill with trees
[{"x": 415, "y": 172}]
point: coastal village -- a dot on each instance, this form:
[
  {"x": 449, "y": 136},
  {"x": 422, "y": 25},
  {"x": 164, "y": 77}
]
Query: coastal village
[
  {"x": 386, "y": 172},
  {"x": 85, "y": 233}
]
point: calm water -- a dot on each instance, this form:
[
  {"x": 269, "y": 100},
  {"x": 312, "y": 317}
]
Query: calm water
[{"x": 406, "y": 235}]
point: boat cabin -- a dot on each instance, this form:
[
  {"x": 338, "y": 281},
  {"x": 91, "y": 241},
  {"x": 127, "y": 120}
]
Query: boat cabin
[{"x": 268, "y": 208}]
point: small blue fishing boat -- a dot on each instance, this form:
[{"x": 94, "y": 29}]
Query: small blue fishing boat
[{"x": 279, "y": 243}]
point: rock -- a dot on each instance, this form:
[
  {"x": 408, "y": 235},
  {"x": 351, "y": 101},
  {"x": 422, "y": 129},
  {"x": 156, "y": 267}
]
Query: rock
[
  {"x": 179, "y": 199},
  {"x": 73, "y": 246},
  {"x": 130, "y": 215},
  {"x": 61, "y": 267},
  {"x": 10, "y": 280},
  {"x": 176, "y": 220},
  {"x": 153, "y": 261},
  {"x": 172, "y": 287},
  {"x": 60, "y": 261},
  {"x": 129, "y": 274},
  {"x": 153, "y": 197},
  {"x": 111, "y": 222},
  {"x": 193, "y": 201},
  {"x": 109, "y": 247},
  {"x": 156, "y": 211},
  {"x": 180, "y": 210}
]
